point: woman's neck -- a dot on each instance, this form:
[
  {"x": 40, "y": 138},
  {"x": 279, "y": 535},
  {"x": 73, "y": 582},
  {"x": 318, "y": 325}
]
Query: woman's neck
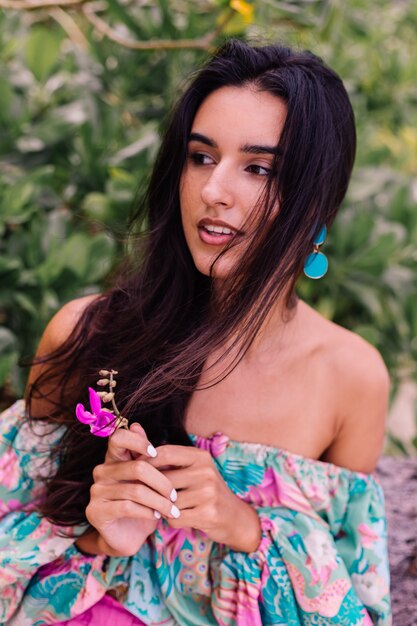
[
  {"x": 278, "y": 327},
  {"x": 277, "y": 330}
]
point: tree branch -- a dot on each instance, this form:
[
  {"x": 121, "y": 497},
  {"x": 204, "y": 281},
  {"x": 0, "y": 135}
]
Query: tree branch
[
  {"x": 56, "y": 10},
  {"x": 153, "y": 44},
  {"x": 32, "y": 5},
  {"x": 71, "y": 28}
]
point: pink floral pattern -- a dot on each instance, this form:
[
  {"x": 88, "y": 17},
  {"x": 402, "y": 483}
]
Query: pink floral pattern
[
  {"x": 9, "y": 470},
  {"x": 322, "y": 556}
]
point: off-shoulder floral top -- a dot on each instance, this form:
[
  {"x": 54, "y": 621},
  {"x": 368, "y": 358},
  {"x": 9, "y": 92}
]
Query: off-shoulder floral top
[{"x": 322, "y": 558}]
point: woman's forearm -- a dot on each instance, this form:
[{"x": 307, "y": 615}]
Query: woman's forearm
[{"x": 246, "y": 533}]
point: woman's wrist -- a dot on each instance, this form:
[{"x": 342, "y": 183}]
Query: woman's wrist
[
  {"x": 91, "y": 543},
  {"x": 246, "y": 533},
  {"x": 104, "y": 547},
  {"x": 88, "y": 543}
]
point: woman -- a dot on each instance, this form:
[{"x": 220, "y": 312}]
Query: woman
[{"x": 212, "y": 348}]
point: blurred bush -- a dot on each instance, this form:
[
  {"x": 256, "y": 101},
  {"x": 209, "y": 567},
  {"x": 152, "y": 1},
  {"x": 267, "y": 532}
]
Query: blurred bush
[{"x": 79, "y": 120}]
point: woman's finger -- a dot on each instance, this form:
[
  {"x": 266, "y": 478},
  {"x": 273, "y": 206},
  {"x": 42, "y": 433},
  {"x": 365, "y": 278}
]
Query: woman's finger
[
  {"x": 124, "y": 444},
  {"x": 191, "y": 498},
  {"x": 183, "y": 478},
  {"x": 113, "y": 510},
  {"x": 137, "y": 493},
  {"x": 135, "y": 471}
]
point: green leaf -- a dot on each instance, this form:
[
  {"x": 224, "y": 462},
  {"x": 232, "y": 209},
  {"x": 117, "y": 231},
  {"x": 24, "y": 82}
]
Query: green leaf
[
  {"x": 9, "y": 272},
  {"x": 97, "y": 206},
  {"x": 7, "y": 362},
  {"x": 75, "y": 254},
  {"x": 26, "y": 304},
  {"x": 122, "y": 14},
  {"x": 7, "y": 340},
  {"x": 41, "y": 51},
  {"x": 368, "y": 332},
  {"x": 100, "y": 257},
  {"x": 14, "y": 201},
  {"x": 6, "y": 98},
  {"x": 72, "y": 255}
]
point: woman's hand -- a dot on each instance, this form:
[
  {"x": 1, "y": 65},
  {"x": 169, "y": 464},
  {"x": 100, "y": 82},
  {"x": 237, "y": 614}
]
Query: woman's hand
[
  {"x": 204, "y": 499},
  {"x": 128, "y": 496}
]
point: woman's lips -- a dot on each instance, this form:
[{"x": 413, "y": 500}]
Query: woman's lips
[
  {"x": 210, "y": 232},
  {"x": 215, "y": 239}
]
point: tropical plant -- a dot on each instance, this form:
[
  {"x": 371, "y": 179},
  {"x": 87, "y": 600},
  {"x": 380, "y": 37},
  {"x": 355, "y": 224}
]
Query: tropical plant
[{"x": 84, "y": 87}]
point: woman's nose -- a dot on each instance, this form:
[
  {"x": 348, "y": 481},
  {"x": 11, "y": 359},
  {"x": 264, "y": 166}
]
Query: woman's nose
[{"x": 217, "y": 190}]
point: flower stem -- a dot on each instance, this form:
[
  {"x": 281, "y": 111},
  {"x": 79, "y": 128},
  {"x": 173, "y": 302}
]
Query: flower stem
[
  {"x": 116, "y": 410},
  {"x": 122, "y": 421}
]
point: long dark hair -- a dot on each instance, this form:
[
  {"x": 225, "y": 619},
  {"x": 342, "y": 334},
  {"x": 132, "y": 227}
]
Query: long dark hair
[{"x": 157, "y": 325}]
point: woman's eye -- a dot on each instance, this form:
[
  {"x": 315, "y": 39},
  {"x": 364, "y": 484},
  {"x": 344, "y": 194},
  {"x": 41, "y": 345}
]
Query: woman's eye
[
  {"x": 198, "y": 158},
  {"x": 259, "y": 170}
]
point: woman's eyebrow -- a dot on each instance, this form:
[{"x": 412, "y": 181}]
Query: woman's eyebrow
[
  {"x": 251, "y": 149},
  {"x": 260, "y": 149},
  {"x": 203, "y": 139}
]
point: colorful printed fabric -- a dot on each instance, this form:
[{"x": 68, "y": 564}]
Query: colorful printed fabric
[
  {"x": 322, "y": 559},
  {"x": 106, "y": 611}
]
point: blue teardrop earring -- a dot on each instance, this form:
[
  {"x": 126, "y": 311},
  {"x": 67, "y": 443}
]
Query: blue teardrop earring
[{"x": 316, "y": 264}]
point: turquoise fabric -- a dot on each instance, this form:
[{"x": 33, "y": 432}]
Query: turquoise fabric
[{"x": 322, "y": 557}]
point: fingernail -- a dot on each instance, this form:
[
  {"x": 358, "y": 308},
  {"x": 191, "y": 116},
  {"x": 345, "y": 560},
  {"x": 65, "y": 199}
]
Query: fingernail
[
  {"x": 175, "y": 512},
  {"x": 151, "y": 451},
  {"x": 137, "y": 428},
  {"x": 157, "y": 514},
  {"x": 173, "y": 496}
]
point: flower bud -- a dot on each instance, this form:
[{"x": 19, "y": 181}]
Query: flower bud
[
  {"x": 112, "y": 383},
  {"x": 101, "y": 394},
  {"x": 122, "y": 422},
  {"x": 103, "y": 382},
  {"x": 108, "y": 397},
  {"x": 104, "y": 373}
]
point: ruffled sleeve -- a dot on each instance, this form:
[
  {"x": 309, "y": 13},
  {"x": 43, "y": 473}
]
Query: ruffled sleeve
[
  {"x": 323, "y": 556},
  {"x": 34, "y": 555},
  {"x": 336, "y": 570}
]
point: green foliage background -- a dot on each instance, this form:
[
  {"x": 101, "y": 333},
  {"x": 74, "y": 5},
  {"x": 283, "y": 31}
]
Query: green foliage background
[{"x": 79, "y": 120}]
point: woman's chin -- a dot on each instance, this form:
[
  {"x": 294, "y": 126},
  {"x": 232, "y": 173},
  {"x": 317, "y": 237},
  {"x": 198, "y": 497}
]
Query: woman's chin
[{"x": 219, "y": 271}]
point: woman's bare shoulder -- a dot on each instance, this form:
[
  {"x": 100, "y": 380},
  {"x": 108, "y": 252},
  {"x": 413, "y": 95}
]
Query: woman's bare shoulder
[
  {"x": 353, "y": 359},
  {"x": 359, "y": 389},
  {"x": 56, "y": 333},
  {"x": 356, "y": 363},
  {"x": 63, "y": 322}
]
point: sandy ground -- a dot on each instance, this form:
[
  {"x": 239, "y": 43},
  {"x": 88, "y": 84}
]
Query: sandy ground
[{"x": 399, "y": 480}]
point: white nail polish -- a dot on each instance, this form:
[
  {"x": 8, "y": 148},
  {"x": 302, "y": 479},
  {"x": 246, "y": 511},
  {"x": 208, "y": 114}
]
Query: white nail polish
[
  {"x": 175, "y": 512},
  {"x": 151, "y": 451},
  {"x": 157, "y": 514},
  {"x": 173, "y": 496}
]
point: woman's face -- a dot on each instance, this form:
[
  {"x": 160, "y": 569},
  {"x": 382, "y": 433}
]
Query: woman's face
[{"x": 232, "y": 144}]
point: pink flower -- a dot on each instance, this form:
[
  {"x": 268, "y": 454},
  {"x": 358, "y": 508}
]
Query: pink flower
[
  {"x": 9, "y": 469},
  {"x": 290, "y": 464},
  {"x": 102, "y": 421},
  {"x": 219, "y": 444},
  {"x": 321, "y": 556},
  {"x": 216, "y": 444},
  {"x": 276, "y": 491},
  {"x": 11, "y": 505},
  {"x": 369, "y": 587},
  {"x": 368, "y": 536}
]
